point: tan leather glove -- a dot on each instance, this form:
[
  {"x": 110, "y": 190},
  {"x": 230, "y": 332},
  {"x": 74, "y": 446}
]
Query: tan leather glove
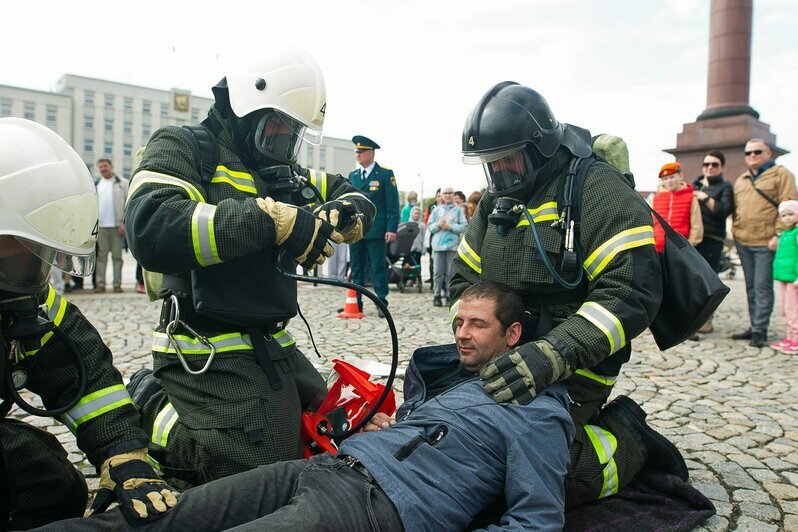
[
  {"x": 345, "y": 216},
  {"x": 128, "y": 478},
  {"x": 302, "y": 234}
]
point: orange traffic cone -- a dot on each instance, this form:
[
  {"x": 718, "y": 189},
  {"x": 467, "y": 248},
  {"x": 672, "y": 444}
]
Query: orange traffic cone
[{"x": 350, "y": 308}]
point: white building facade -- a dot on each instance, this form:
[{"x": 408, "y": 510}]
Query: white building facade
[{"x": 106, "y": 119}]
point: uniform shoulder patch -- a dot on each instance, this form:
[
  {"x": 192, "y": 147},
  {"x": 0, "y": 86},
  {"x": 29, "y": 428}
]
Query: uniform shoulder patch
[{"x": 393, "y": 181}]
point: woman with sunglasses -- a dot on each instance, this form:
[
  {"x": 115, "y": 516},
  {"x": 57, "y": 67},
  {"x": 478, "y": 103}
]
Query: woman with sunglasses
[{"x": 715, "y": 196}]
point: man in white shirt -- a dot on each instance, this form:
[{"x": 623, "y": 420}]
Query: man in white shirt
[{"x": 112, "y": 192}]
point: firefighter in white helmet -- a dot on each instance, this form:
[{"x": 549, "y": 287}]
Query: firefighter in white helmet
[
  {"x": 48, "y": 217},
  {"x": 214, "y": 207}
]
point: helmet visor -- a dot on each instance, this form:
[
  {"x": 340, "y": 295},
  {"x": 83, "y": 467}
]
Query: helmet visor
[
  {"x": 25, "y": 265},
  {"x": 279, "y": 136},
  {"x": 483, "y": 158},
  {"x": 506, "y": 172}
]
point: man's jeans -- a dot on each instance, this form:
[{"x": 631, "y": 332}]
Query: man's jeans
[
  {"x": 323, "y": 493},
  {"x": 757, "y": 264}
]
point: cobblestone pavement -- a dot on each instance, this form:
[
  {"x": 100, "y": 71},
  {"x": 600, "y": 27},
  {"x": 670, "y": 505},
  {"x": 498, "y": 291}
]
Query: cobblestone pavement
[{"x": 728, "y": 407}]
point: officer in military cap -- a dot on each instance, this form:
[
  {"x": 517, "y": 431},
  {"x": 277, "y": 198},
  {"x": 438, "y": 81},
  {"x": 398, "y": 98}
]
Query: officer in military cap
[{"x": 379, "y": 185}]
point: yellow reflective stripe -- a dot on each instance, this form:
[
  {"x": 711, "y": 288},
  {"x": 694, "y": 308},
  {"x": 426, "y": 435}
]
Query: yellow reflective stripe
[
  {"x": 545, "y": 213},
  {"x": 153, "y": 462},
  {"x": 193, "y": 346},
  {"x": 606, "y": 323},
  {"x": 283, "y": 338},
  {"x": 56, "y": 308},
  {"x": 146, "y": 176},
  {"x": 95, "y": 404},
  {"x": 320, "y": 183},
  {"x": 223, "y": 343},
  {"x": 469, "y": 256},
  {"x": 202, "y": 234},
  {"x": 605, "y": 445},
  {"x": 453, "y": 310},
  {"x": 606, "y": 381},
  {"x": 163, "y": 424},
  {"x": 239, "y": 180},
  {"x": 631, "y": 238}
]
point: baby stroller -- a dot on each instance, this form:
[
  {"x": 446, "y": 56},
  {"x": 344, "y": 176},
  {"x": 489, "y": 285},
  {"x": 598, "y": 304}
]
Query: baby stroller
[{"x": 402, "y": 266}]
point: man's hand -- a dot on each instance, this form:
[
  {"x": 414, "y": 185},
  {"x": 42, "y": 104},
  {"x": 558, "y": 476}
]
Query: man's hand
[
  {"x": 121, "y": 229},
  {"x": 301, "y": 233},
  {"x": 129, "y": 479},
  {"x": 773, "y": 243},
  {"x": 390, "y": 237},
  {"x": 379, "y": 421},
  {"x": 518, "y": 375},
  {"x": 345, "y": 216}
]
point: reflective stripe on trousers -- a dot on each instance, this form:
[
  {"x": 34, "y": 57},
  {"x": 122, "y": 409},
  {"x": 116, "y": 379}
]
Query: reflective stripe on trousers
[{"x": 605, "y": 444}]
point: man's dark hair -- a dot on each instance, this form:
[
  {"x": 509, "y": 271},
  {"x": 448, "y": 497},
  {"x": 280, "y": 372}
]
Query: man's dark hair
[
  {"x": 717, "y": 155},
  {"x": 105, "y": 161},
  {"x": 509, "y": 308}
]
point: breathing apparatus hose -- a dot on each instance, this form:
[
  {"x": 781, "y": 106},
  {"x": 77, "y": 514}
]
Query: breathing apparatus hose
[
  {"x": 82, "y": 379},
  {"x": 562, "y": 282},
  {"x": 336, "y": 435}
]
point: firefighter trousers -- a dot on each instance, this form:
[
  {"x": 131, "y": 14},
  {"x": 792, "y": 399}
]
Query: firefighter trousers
[
  {"x": 605, "y": 454},
  {"x": 231, "y": 418},
  {"x": 38, "y": 484}
]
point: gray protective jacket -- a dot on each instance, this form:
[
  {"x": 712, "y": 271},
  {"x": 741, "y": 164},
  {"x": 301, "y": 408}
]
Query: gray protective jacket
[{"x": 451, "y": 455}]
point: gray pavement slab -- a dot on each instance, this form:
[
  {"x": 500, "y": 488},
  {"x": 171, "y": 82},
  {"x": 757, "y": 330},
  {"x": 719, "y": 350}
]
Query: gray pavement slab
[{"x": 729, "y": 407}]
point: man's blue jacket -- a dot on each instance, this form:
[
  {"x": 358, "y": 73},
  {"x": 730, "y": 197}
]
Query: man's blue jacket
[{"x": 450, "y": 456}]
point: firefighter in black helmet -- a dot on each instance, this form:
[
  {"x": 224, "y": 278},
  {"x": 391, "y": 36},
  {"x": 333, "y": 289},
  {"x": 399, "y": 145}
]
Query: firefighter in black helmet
[{"x": 589, "y": 285}]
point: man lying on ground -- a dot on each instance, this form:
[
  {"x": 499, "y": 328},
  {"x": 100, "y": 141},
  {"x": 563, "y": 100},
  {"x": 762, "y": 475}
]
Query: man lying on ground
[{"x": 450, "y": 453}]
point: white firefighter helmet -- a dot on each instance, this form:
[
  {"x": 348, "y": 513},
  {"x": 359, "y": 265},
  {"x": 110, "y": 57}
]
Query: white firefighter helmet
[
  {"x": 289, "y": 82},
  {"x": 48, "y": 207}
]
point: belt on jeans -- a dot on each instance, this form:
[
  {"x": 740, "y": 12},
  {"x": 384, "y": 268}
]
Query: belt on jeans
[{"x": 355, "y": 464}]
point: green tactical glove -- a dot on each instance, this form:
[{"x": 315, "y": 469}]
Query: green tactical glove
[
  {"x": 301, "y": 233},
  {"x": 129, "y": 479},
  {"x": 345, "y": 216},
  {"x": 517, "y": 376}
]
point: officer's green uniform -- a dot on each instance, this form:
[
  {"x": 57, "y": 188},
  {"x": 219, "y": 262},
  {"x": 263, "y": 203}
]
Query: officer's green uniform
[
  {"x": 231, "y": 418},
  {"x": 380, "y": 188},
  {"x": 37, "y": 480},
  {"x": 592, "y": 325}
]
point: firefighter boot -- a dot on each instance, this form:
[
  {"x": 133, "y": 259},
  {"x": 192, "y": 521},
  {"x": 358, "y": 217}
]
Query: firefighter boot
[{"x": 662, "y": 454}]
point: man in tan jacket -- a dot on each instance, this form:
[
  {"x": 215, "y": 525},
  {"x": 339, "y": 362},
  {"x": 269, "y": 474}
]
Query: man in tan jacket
[{"x": 756, "y": 230}]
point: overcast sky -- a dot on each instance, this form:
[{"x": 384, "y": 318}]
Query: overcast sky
[{"x": 406, "y": 73}]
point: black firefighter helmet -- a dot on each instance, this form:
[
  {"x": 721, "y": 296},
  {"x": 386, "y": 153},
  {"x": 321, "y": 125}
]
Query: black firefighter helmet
[{"x": 512, "y": 133}]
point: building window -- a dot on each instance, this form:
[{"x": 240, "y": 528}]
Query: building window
[
  {"x": 108, "y": 148},
  {"x": 146, "y": 107},
  {"x": 128, "y": 104},
  {"x": 88, "y": 145},
  {"x": 109, "y": 101},
  {"x": 145, "y": 132},
  {"x": 88, "y": 98},
  {"x": 5, "y": 106},
  {"x": 52, "y": 115},
  {"x": 88, "y": 122},
  {"x": 127, "y": 150},
  {"x": 30, "y": 110},
  {"x": 109, "y": 124},
  {"x": 126, "y": 171},
  {"x": 309, "y": 153},
  {"x": 128, "y": 127},
  {"x": 164, "y": 110},
  {"x": 195, "y": 114}
]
